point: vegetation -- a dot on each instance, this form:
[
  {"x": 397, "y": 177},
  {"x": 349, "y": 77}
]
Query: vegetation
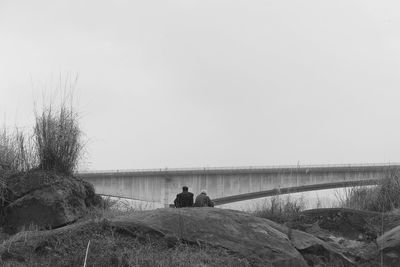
[
  {"x": 384, "y": 197},
  {"x": 15, "y": 154},
  {"x": 111, "y": 248},
  {"x": 57, "y": 139},
  {"x": 54, "y": 144},
  {"x": 111, "y": 207},
  {"x": 16, "y": 150},
  {"x": 280, "y": 209}
]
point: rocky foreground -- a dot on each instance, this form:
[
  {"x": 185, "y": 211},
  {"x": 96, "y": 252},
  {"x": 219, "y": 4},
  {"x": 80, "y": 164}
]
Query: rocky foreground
[
  {"x": 249, "y": 240},
  {"x": 44, "y": 222},
  {"x": 43, "y": 200}
]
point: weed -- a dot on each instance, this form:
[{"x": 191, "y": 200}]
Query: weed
[
  {"x": 16, "y": 150},
  {"x": 54, "y": 144},
  {"x": 58, "y": 139},
  {"x": 110, "y": 248},
  {"x": 280, "y": 209},
  {"x": 383, "y": 198}
]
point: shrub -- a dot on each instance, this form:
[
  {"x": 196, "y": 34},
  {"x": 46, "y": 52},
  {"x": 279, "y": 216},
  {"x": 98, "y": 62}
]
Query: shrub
[
  {"x": 383, "y": 197},
  {"x": 280, "y": 209},
  {"x": 361, "y": 197},
  {"x": 57, "y": 139},
  {"x": 54, "y": 144},
  {"x": 16, "y": 151}
]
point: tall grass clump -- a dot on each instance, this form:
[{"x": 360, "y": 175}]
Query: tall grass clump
[
  {"x": 15, "y": 155},
  {"x": 280, "y": 209},
  {"x": 16, "y": 150},
  {"x": 57, "y": 138},
  {"x": 382, "y": 198},
  {"x": 54, "y": 143}
]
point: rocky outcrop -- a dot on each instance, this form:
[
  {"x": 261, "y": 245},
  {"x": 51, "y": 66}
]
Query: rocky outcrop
[
  {"x": 44, "y": 200},
  {"x": 315, "y": 250},
  {"x": 239, "y": 232},
  {"x": 349, "y": 223},
  {"x": 367, "y": 238},
  {"x": 258, "y": 241}
]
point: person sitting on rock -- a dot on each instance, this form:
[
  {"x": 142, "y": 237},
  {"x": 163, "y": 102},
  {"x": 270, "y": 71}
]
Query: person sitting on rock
[
  {"x": 184, "y": 199},
  {"x": 203, "y": 200}
]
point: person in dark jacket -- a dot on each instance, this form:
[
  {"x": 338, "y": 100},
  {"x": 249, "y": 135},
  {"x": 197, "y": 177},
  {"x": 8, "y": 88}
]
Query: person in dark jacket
[
  {"x": 184, "y": 199},
  {"x": 203, "y": 200}
]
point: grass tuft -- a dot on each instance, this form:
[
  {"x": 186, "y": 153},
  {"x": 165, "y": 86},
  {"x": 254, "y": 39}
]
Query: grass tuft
[
  {"x": 384, "y": 197},
  {"x": 16, "y": 151},
  {"x": 58, "y": 139},
  {"x": 280, "y": 209},
  {"x": 54, "y": 144}
]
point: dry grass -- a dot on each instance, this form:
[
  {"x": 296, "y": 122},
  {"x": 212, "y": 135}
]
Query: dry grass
[
  {"x": 111, "y": 248},
  {"x": 16, "y": 150},
  {"x": 280, "y": 209},
  {"x": 54, "y": 143},
  {"x": 112, "y": 207},
  {"x": 58, "y": 139},
  {"x": 382, "y": 198},
  {"x": 15, "y": 155}
]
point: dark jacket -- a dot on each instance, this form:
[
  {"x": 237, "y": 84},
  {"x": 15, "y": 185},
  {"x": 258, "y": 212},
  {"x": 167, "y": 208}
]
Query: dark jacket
[
  {"x": 184, "y": 199},
  {"x": 203, "y": 200}
]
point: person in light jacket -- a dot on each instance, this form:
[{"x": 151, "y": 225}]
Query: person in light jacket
[{"x": 202, "y": 200}]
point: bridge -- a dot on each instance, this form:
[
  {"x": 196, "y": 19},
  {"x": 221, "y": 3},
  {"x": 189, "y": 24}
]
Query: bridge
[{"x": 227, "y": 185}]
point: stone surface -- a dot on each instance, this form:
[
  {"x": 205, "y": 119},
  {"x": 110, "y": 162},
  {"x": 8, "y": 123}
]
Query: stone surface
[
  {"x": 389, "y": 246},
  {"x": 240, "y": 233},
  {"x": 236, "y": 231},
  {"x": 350, "y": 223},
  {"x": 260, "y": 241},
  {"x": 314, "y": 250},
  {"x": 45, "y": 200}
]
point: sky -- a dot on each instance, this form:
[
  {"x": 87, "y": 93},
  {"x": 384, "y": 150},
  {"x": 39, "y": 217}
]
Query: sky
[{"x": 177, "y": 84}]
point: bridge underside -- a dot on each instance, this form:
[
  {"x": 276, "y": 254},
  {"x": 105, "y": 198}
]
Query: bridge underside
[
  {"x": 291, "y": 190},
  {"x": 227, "y": 186},
  {"x": 282, "y": 191}
]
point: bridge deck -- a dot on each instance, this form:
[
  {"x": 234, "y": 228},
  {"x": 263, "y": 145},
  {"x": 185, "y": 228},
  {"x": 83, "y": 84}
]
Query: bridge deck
[
  {"x": 227, "y": 185},
  {"x": 243, "y": 169}
]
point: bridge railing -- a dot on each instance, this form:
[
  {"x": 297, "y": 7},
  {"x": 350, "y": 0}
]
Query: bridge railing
[{"x": 244, "y": 168}]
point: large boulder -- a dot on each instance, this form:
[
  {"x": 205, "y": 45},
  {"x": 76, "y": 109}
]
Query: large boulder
[
  {"x": 110, "y": 246},
  {"x": 239, "y": 232},
  {"x": 45, "y": 200},
  {"x": 257, "y": 241}
]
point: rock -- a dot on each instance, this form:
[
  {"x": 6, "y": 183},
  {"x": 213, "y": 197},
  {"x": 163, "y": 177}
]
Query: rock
[
  {"x": 313, "y": 249},
  {"x": 45, "y": 200},
  {"x": 389, "y": 246},
  {"x": 257, "y": 241},
  {"x": 350, "y": 223},
  {"x": 356, "y": 234},
  {"x": 390, "y": 240},
  {"x": 110, "y": 245},
  {"x": 239, "y": 232}
]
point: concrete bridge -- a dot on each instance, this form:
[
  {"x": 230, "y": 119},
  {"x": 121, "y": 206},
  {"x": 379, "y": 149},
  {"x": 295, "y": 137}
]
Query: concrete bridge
[{"x": 226, "y": 185}]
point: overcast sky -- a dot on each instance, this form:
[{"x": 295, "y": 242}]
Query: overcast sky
[{"x": 212, "y": 83}]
